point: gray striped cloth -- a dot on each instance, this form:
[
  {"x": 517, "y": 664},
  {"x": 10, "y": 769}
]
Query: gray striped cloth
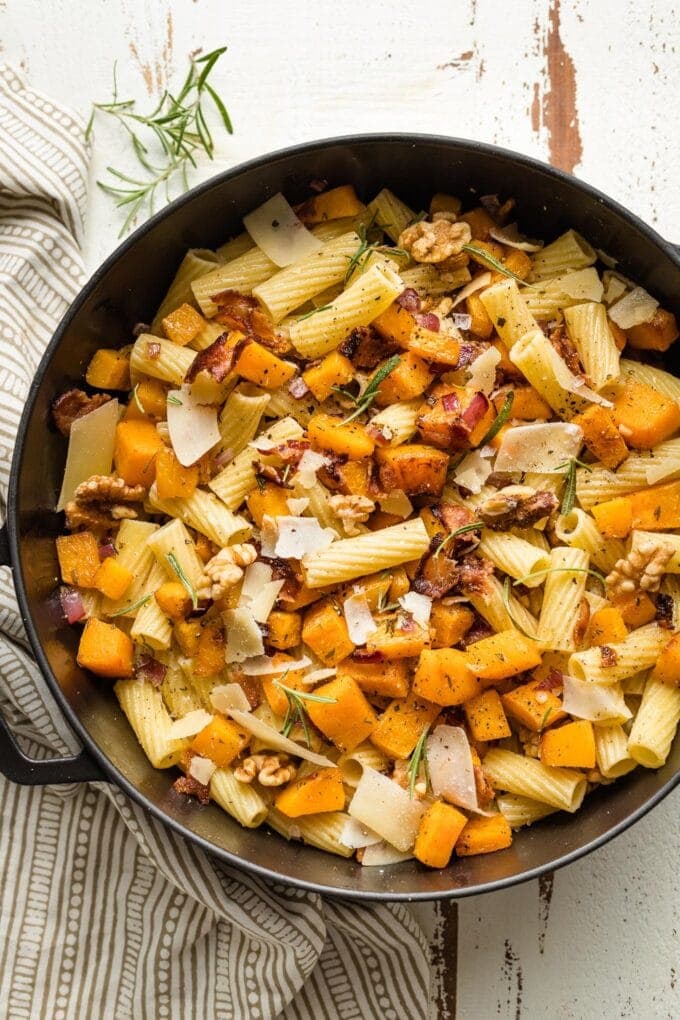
[{"x": 105, "y": 913}]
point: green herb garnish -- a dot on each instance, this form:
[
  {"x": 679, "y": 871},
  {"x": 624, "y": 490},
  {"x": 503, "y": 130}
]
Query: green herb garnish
[
  {"x": 296, "y": 711},
  {"x": 498, "y": 266},
  {"x": 365, "y": 248},
  {"x": 191, "y": 591},
  {"x": 473, "y": 526},
  {"x": 418, "y": 757},
  {"x": 569, "y": 495},
  {"x": 560, "y": 570},
  {"x": 177, "y": 127},
  {"x": 133, "y": 605},
  {"x": 506, "y": 604},
  {"x": 314, "y": 311},
  {"x": 365, "y": 399},
  {"x": 174, "y": 400},
  {"x": 499, "y": 420}
]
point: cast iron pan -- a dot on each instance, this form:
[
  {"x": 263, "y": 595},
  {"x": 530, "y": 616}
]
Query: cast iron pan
[{"x": 127, "y": 289}]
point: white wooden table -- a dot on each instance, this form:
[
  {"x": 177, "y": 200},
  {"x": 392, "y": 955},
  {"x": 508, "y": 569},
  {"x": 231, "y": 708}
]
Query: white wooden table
[{"x": 593, "y": 87}]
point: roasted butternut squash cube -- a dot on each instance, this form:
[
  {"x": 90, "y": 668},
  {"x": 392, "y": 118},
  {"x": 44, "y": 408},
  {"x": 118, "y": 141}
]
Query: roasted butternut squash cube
[
  {"x": 397, "y": 640},
  {"x": 373, "y": 587},
  {"x": 439, "y": 347},
  {"x": 408, "y": 380},
  {"x": 439, "y": 830},
  {"x": 109, "y": 369},
  {"x": 614, "y": 517},
  {"x": 347, "y": 719},
  {"x": 636, "y": 608},
  {"x": 601, "y": 435},
  {"x": 606, "y": 627},
  {"x": 173, "y": 599},
  {"x": 644, "y": 416},
  {"x": 667, "y": 668},
  {"x": 183, "y": 325},
  {"x": 149, "y": 401},
  {"x": 293, "y": 678},
  {"x": 209, "y": 660},
  {"x": 569, "y": 746},
  {"x": 413, "y": 468},
  {"x": 502, "y": 655},
  {"x": 324, "y": 630},
  {"x": 480, "y": 223},
  {"x": 443, "y": 677},
  {"x": 384, "y": 679},
  {"x": 484, "y": 836},
  {"x": 480, "y": 322},
  {"x": 486, "y": 717},
  {"x": 455, "y": 418},
  {"x": 449, "y": 623},
  {"x": 518, "y": 262},
  {"x": 351, "y": 439},
  {"x": 78, "y": 557},
  {"x": 106, "y": 650},
  {"x": 258, "y": 365},
  {"x": 533, "y": 706},
  {"x": 173, "y": 480},
  {"x": 187, "y": 634},
  {"x": 351, "y": 478},
  {"x": 284, "y": 630},
  {"x": 220, "y": 741},
  {"x": 112, "y": 579},
  {"x": 269, "y": 500},
  {"x": 656, "y": 508},
  {"x": 401, "y": 725},
  {"x": 527, "y": 404},
  {"x": 135, "y": 450},
  {"x": 313, "y": 794},
  {"x": 656, "y": 335},
  {"x": 395, "y": 324},
  {"x": 334, "y": 370},
  {"x": 335, "y": 204}
]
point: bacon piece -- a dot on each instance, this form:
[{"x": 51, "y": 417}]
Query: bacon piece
[
  {"x": 364, "y": 655},
  {"x": 474, "y": 574},
  {"x": 480, "y": 629},
  {"x": 75, "y": 404},
  {"x": 554, "y": 681},
  {"x": 453, "y": 517},
  {"x": 608, "y": 656},
  {"x": 292, "y": 451},
  {"x": 192, "y": 788},
  {"x": 217, "y": 360},
  {"x": 438, "y": 575},
  {"x": 520, "y": 511},
  {"x": 365, "y": 348},
  {"x": 148, "y": 668},
  {"x": 566, "y": 350},
  {"x": 241, "y": 312},
  {"x": 664, "y": 611}
]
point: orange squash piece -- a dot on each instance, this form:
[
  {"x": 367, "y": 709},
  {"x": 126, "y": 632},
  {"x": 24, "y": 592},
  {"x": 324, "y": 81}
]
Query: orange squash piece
[
  {"x": 392, "y": 641},
  {"x": 325, "y": 631},
  {"x": 667, "y": 668},
  {"x": 656, "y": 508},
  {"x": 388, "y": 679},
  {"x": 187, "y": 634},
  {"x": 645, "y": 416},
  {"x": 258, "y": 365},
  {"x": 220, "y": 741},
  {"x": 656, "y": 335},
  {"x": 449, "y": 623},
  {"x": 408, "y": 380},
  {"x": 334, "y": 370},
  {"x": 399, "y": 728},
  {"x": 313, "y": 794},
  {"x": 183, "y": 325},
  {"x": 486, "y": 717},
  {"x": 278, "y": 702},
  {"x": 614, "y": 517},
  {"x": 173, "y": 480},
  {"x": 135, "y": 450},
  {"x": 527, "y": 404},
  {"x": 150, "y": 401},
  {"x": 284, "y": 630},
  {"x": 606, "y": 627},
  {"x": 480, "y": 324},
  {"x": 601, "y": 435},
  {"x": 78, "y": 557},
  {"x": 209, "y": 659},
  {"x": 347, "y": 719},
  {"x": 105, "y": 650},
  {"x": 636, "y": 609},
  {"x": 109, "y": 369},
  {"x": 414, "y": 468},
  {"x": 395, "y": 324},
  {"x": 335, "y": 204},
  {"x": 439, "y": 830},
  {"x": 569, "y": 746},
  {"x": 351, "y": 439},
  {"x": 173, "y": 599},
  {"x": 484, "y": 836},
  {"x": 351, "y": 478},
  {"x": 112, "y": 579},
  {"x": 444, "y": 677},
  {"x": 502, "y": 655},
  {"x": 532, "y": 706},
  {"x": 270, "y": 500}
]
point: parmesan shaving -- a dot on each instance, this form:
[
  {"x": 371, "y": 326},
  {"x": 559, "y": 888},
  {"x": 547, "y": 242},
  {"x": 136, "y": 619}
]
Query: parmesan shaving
[
  {"x": 263, "y": 444},
  {"x": 317, "y": 675},
  {"x": 596, "y": 702},
  {"x": 451, "y": 768},
  {"x": 90, "y": 448},
  {"x": 478, "y": 283},
  {"x": 262, "y": 665},
  {"x": 360, "y": 622},
  {"x": 268, "y": 534},
  {"x": 385, "y": 807},
  {"x": 473, "y": 470},
  {"x": 275, "y": 228},
  {"x": 298, "y": 536},
  {"x": 483, "y": 371},
  {"x": 190, "y": 724},
  {"x": 357, "y": 836},
  {"x": 573, "y": 383},
  {"x": 543, "y": 448},
  {"x": 275, "y": 741},
  {"x": 297, "y": 506},
  {"x": 310, "y": 463},
  {"x": 397, "y": 503},
  {"x": 202, "y": 769},
  {"x": 511, "y": 236},
  {"x": 259, "y": 593},
  {"x": 224, "y": 697},
  {"x": 244, "y": 637},
  {"x": 381, "y": 855},
  {"x": 419, "y": 606},
  {"x": 633, "y": 309},
  {"x": 192, "y": 426}
]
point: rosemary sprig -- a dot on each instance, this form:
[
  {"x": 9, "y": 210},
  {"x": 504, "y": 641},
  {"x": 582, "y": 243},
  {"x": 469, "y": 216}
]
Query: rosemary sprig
[
  {"x": 498, "y": 266},
  {"x": 500, "y": 420},
  {"x": 134, "y": 605},
  {"x": 178, "y": 130},
  {"x": 560, "y": 570},
  {"x": 191, "y": 591},
  {"x": 569, "y": 495},
  {"x": 314, "y": 311},
  {"x": 174, "y": 400},
  {"x": 365, "y": 399},
  {"x": 513, "y": 619},
  {"x": 296, "y": 711},
  {"x": 135, "y": 396},
  {"x": 365, "y": 248},
  {"x": 418, "y": 757},
  {"x": 472, "y": 526}
]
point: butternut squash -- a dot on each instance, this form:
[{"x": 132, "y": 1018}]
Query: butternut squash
[
  {"x": 408, "y": 380},
  {"x": 502, "y": 655},
  {"x": 439, "y": 830},
  {"x": 351, "y": 478},
  {"x": 444, "y": 677},
  {"x": 449, "y": 624},
  {"x": 220, "y": 741},
  {"x": 173, "y": 599},
  {"x": 351, "y": 439},
  {"x": 480, "y": 223},
  {"x": 112, "y": 579},
  {"x": 173, "y": 480},
  {"x": 150, "y": 401},
  {"x": 636, "y": 609},
  {"x": 399, "y": 728},
  {"x": 569, "y": 746},
  {"x": 334, "y": 370},
  {"x": 313, "y": 794},
  {"x": 348, "y": 719},
  {"x": 335, "y": 204},
  {"x": 667, "y": 668},
  {"x": 606, "y": 627},
  {"x": 187, "y": 634},
  {"x": 269, "y": 500},
  {"x": 614, "y": 517},
  {"x": 384, "y": 679},
  {"x": 325, "y": 631},
  {"x": 656, "y": 508},
  {"x": 414, "y": 468},
  {"x": 135, "y": 451},
  {"x": 440, "y": 347},
  {"x": 258, "y": 365},
  {"x": 527, "y": 404},
  {"x": 78, "y": 557},
  {"x": 484, "y": 836},
  {"x": 293, "y": 678},
  {"x": 480, "y": 324},
  {"x": 209, "y": 658},
  {"x": 656, "y": 335},
  {"x": 109, "y": 369},
  {"x": 601, "y": 435},
  {"x": 284, "y": 630},
  {"x": 106, "y": 650},
  {"x": 183, "y": 325},
  {"x": 644, "y": 416},
  {"x": 533, "y": 706},
  {"x": 392, "y": 641},
  {"x": 486, "y": 717}
]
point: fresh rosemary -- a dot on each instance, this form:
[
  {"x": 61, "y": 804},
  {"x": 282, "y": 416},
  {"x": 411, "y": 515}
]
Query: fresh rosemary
[
  {"x": 135, "y": 395},
  {"x": 174, "y": 400},
  {"x": 314, "y": 311},
  {"x": 569, "y": 495},
  {"x": 472, "y": 526},
  {"x": 365, "y": 399},
  {"x": 506, "y": 604},
  {"x": 296, "y": 711},
  {"x": 560, "y": 570},
  {"x": 177, "y": 128},
  {"x": 495, "y": 264},
  {"x": 499, "y": 420},
  {"x": 191, "y": 591},
  {"x": 134, "y": 605},
  {"x": 364, "y": 249},
  {"x": 418, "y": 758}
]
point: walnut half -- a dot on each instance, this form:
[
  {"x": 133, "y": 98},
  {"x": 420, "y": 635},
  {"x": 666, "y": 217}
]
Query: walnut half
[
  {"x": 268, "y": 769},
  {"x": 435, "y": 242},
  {"x": 224, "y": 570}
]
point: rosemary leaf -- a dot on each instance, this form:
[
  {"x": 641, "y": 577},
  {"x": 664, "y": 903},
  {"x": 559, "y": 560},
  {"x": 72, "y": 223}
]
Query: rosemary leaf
[
  {"x": 191, "y": 591},
  {"x": 506, "y": 603},
  {"x": 472, "y": 526},
  {"x": 364, "y": 401},
  {"x": 498, "y": 266},
  {"x": 314, "y": 311},
  {"x": 134, "y": 605},
  {"x": 419, "y": 756},
  {"x": 500, "y": 420},
  {"x": 135, "y": 395},
  {"x": 561, "y": 570},
  {"x": 175, "y": 401}
]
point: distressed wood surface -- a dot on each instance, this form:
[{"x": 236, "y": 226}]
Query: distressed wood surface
[{"x": 591, "y": 87}]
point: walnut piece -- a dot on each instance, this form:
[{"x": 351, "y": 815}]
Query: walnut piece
[
  {"x": 89, "y": 517},
  {"x": 352, "y": 511},
  {"x": 641, "y": 570},
  {"x": 268, "y": 769},
  {"x": 107, "y": 490},
  {"x": 74, "y": 404},
  {"x": 434, "y": 242},
  {"x": 224, "y": 570},
  {"x": 517, "y": 506}
]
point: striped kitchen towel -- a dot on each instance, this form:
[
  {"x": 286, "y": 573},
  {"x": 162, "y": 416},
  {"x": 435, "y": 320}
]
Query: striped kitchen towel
[{"x": 106, "y": 913}]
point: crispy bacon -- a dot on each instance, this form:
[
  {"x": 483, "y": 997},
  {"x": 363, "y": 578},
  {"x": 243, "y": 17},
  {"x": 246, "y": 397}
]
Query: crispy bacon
[
  {"x": 75, "y": 404},
  {"x": 250, "y": 686},
  {"x": 608, "y": 656},
  {"x": 148, "y": 668},
  {"x": 438, "y": 575},
  {"x": 582, "y": 621},
  {"x": 409, "y": 300},
  {"x": 566, "y": 350},
  {"x": 292, "y": 451},
  {"x": 365, "y": 348},
  {"x": 241, "y": 312},
  {"x": 664, "y": 611},
  {"x": 217, "y": 360},
  {"x": 474, "y": 574},
  {"x": 454, "y": 517},
  {"x": 480, "y": 629},
  {"x": 364, "y": 655},
  {"x": 554, "y": 681},
  {"x": 469, "y": 352},
  {"x": 190, "y": 786},
  {"x": 522, "y": 511}
]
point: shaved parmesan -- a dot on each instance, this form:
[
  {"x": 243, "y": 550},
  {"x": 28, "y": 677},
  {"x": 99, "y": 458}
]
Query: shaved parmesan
[
  {"x": 192, "y": 426},
  {"x": 581, "y": 285},
  {"x": 301, "y": 535},
  {"x": 633, "y": 309},
  {"x": 297, "y": 506},
  {"x": 276, "y": 229},
  {"x": 259, "y": 592},
  {"x": 190, "y": 724},
  {"x": 658, "y": 468},
  {"x": 224, "y": 697},
  {"x": 90, "y": 448},
  {"x": 483, "y": 371},
  {"x": 202, "y": 769},
  {"x": 356, "y": 835},
  {"x": 244, "y": 637},
  {"x": 511, "y": 236},
  {"x": 541, "y": 447},
  {"x": 615, "y": 286},
  {"x": 451, "y": 768},
  {"x": 263, "y": 444},
  {"x": 478, "y": 283},
  {"x": 385, "y": 807},
  {"x": 268, "y": 535},
  {"x": 381, "y": 855},
  {"x": 473, "y": 470},
  {"x": 310, "y": 463},
  {"x": 317, "y": 675},
  {"x": 275, "y": 741},
  {"x": 397, "y": 503},
  {"x": 419, "y": 606},
  {"x": 360, "y": 622},
  {"x": 596, "y": 702},
  {"x": 570, "y": 382},
  {"x": 262, "y": 665}
]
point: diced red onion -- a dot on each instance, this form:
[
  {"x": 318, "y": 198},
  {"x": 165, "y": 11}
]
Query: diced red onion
[
  {"x": 377, "y": 434},
  {"x": 298, "y": 388},
  {"x": 475, "y": 410},
  {"x": 364, "y": 655},
  {"x": 428, "y": 320},
  {"x": 153, "y": 350},
  {"x": 223, "y": 457},
  {"x": 150, "y": 669},
  {"x": 71, "y": 604},
  {"x": 461, "y": 321},
  {"x": 106, "y": 549},
  {"x": 451, "y": 403},
  {"x": 409, "y": 300}
]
